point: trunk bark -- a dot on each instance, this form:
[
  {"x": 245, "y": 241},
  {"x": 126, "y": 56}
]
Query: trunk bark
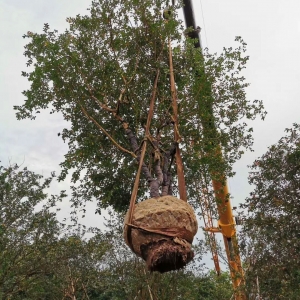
[
  {"x": 167, "y": 176},
  {"x": 154, "y": 184}
]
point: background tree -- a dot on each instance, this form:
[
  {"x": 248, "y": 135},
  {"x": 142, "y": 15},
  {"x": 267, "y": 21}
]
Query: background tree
[
  {"x": 271, "y": 231},
  {"x": 78, "y": 264},
  {"x": 25, "y": 233},
  {"x": 100, "y": 74},
  {"x": 41, "y": 258}
]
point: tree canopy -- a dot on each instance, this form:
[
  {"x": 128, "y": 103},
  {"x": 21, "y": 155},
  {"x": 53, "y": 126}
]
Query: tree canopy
[
  {"x": 99, "y": 74},
  {"x": 271, "y": 239},
  {"x": 25, "y": 233}
]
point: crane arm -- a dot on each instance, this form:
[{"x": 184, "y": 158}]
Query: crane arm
[{"x": 226, "y": 224}]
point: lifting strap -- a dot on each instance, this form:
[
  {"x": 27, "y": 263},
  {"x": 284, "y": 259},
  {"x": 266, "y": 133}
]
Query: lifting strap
[
  {"x": 143, "y": 151},
  {"x": 179, "y": 163}
]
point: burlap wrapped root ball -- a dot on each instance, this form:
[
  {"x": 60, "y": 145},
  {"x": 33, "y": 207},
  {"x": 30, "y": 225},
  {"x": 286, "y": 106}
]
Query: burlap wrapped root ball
[{"x": 162, "y": 232}]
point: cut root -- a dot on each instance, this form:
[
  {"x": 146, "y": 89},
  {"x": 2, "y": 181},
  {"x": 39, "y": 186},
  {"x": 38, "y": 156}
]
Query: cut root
[{"x": 166, "y": 255}]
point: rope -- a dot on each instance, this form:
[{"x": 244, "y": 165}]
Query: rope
[
  {"x": 168, "y": 231},
  {"x": 143, "y": 151},
  {"x": 179, "y": 163},
  {"x": 180, "y": 173}
]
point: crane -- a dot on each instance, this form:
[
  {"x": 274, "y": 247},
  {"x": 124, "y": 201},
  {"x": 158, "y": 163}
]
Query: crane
[{"x": 226, "y": 224}]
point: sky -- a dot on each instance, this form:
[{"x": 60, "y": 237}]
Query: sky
[{"x": 271, "y": 29}]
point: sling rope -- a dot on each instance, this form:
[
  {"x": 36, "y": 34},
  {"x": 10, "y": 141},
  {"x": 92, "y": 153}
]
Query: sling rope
[
  {"x": 180, "y": 173},
  {"x": 179, "y": 163},
  {"x": 143, "y": 152}
]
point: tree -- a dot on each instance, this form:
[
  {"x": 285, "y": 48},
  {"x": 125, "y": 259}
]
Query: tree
[
  {"x": 78, "y": 264},
  {"x": 41, "y": 258},
  {"x": 25, "y": 233},
  {"x": 101, "y": 74},
  {"x": 271, "y": 231},
  {"x": 211, "y": 286}
]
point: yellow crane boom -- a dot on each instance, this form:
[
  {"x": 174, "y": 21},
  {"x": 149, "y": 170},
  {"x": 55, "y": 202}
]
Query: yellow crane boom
[{"x": 226, "y": 223}]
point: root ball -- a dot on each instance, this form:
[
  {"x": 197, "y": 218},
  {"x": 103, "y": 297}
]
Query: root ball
[{"x": 162, "y": 232}]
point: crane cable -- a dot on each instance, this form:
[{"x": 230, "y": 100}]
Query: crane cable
[{"x": 203, "y": 23}]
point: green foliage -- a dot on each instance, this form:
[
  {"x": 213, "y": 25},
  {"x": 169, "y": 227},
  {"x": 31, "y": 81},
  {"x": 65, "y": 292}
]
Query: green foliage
[
  {"x": 25, "y": 233},
  {"x": 271, "y": 233},
  {"x": 41, "y": 258},
  {"x": 77, "y": 264},
  {"x": 99, "y": 74},
  {"x": 212, "y": 286}
]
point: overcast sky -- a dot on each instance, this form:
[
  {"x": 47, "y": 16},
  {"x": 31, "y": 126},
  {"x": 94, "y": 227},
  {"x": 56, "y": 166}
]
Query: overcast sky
[{"x": 271, "y": 29}]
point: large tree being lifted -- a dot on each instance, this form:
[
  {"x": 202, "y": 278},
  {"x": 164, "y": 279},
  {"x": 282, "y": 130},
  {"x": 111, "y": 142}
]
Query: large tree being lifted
[{"x": 133, "y": 90}]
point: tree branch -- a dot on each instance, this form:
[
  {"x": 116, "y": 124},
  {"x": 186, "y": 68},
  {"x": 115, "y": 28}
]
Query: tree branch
[
  {"x": 90, "y": 89},
  {"x": 105, "y": 132},
  {"x": 157, "y": 160},
  {"x": 143, "y": 151},
  {"x": 135, "y": 147}
]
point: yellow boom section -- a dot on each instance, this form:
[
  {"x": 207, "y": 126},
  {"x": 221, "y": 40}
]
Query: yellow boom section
[{"x": 227, "y": 226}]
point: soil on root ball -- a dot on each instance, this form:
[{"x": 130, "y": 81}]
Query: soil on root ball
[{"x": 162, "y": 232}]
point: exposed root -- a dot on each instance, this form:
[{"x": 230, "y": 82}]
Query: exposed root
[{"x": 166, "y": 255}]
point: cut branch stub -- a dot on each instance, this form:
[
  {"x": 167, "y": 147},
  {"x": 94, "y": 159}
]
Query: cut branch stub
[{"x": 162, "y": 232}]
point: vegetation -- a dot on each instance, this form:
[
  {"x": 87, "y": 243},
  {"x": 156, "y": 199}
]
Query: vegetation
[
  {"x": 42, "y": 258},
  {"x": 271, "y": 239},
  {"x": 100, "y": 75}
]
